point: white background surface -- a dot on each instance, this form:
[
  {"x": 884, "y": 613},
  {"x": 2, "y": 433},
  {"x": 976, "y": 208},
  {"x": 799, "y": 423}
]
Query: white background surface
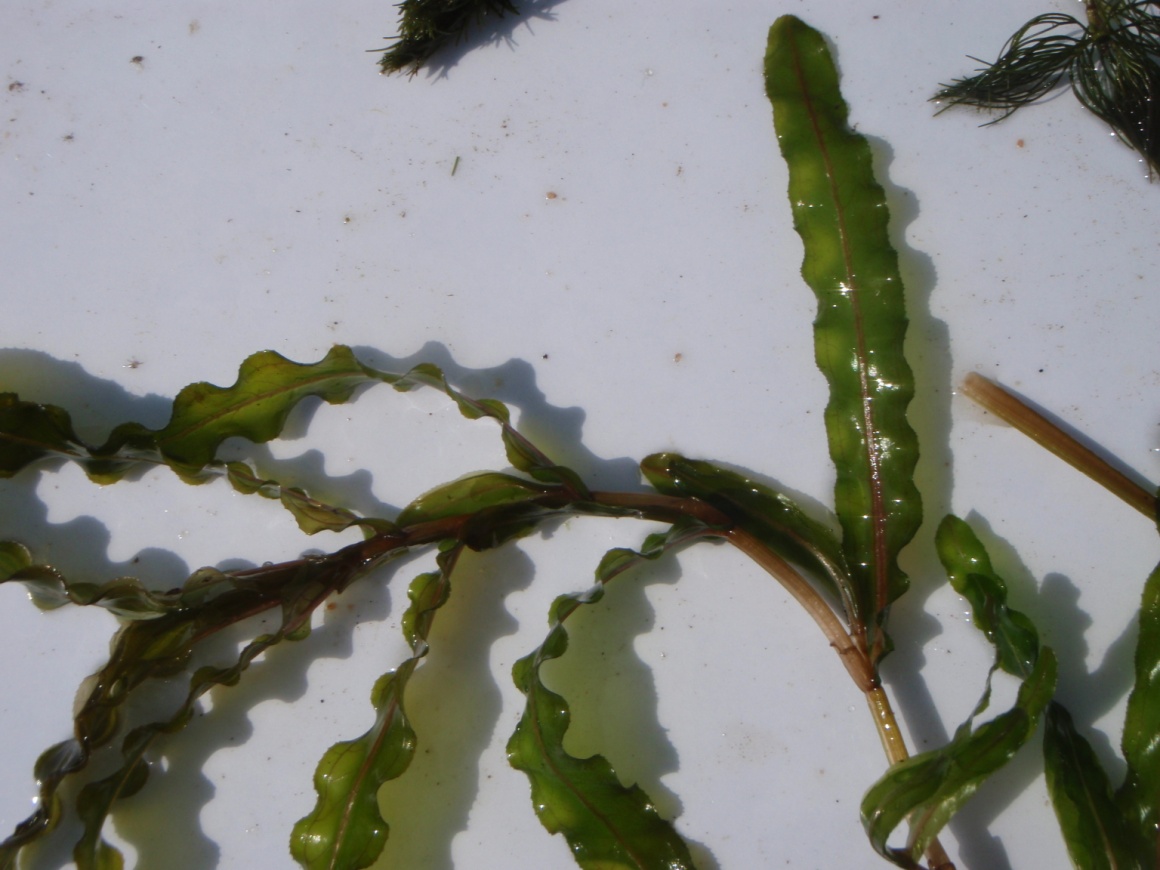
[{"x": 252, "y": 183}]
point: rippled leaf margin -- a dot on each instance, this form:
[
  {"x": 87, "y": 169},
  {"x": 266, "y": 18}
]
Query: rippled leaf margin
[
  {"x": 346, "y": 830},
  {"x": 482, "y": 511},
  {"x": 1093, "y": 827},
  {"x": 1139, "y": 796},
  {"x": 606, "y": 824},
  {"x": 255, "y": 407},
  {"x": 839, "y": 210},
  {"x": 161, "y": 648},
  {"x": 928, "y": 789},
  {"x": 971, "y": 574},
  {"x": 770, "y": 516}
]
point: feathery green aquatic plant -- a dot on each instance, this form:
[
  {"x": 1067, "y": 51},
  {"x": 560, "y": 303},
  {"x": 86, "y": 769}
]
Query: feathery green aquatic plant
[{"x": 1111, "y": 62}]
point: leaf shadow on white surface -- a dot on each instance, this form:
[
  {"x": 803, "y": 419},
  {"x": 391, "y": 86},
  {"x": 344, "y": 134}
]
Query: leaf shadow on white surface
[
  {"x": 454, "y": 682},
  {"x": 79, "y": 546},
  {"x": 1054, "y": 607},
  {"x": 96, "y": 404},
  {"x": 1087, "y": 694},
  {"x": 612, "y": 694},
  {"x": 555, "y": 430},
  {"x": 166, "y": 815},
  {"x": 454, "y": 704}
]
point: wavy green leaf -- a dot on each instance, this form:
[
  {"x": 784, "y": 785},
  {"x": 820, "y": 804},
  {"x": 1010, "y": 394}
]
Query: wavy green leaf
[
  {"x": 1139, "y": 795},
  {"x": 521, "y": 453},
  {"x": 161, "y": 648},
  {"x": 470, "y": 495},
  {"x": 607, "y": 825},
  {"x": 302, "y": 587},
  {"x": 771, "y": 516},
  {"x": 256, "y": 407},
  {"x": 969, "y": 568},
  {"x": 840, "y": 213},
  {"x": 268, "y": 388},
  {"x": 345, "y": 830},
  {"x": 31, "y": 432},
  {"x": 620, "y": 559},
  {"x": 126, "y": 597},
  {"x": 92, "y": 851},
  {"x": 1093, "y": 827},
  {"x": 928, "y": 789},
  {"x": 312, "y": 515},
  {"x": 14, "y": 558}
]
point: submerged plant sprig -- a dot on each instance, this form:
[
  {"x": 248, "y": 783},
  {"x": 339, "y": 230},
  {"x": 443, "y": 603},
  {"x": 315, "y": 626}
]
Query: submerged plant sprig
[
  {"x": 1112, "y": 64},
  {"x": 425, "y": 26}
]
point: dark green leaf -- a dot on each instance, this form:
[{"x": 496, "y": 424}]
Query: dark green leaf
[
  {"x": 160, "y": 648},
  {"x": 96, "y": 799},
  {"x": 312, "y": 515},
  {"x": 469, "y": 495},
  {"x": 1112, "y": 64},
  {"x": 302, "y": 587},
  {"x": 928, "y": 789},
  {"x": 1094, "y": 829},
  {"x": 840, "y": 213},
  {"x": 969, "y": 568},
  {"x": 268, "y": 388},
  {"x": 30, "y": 432},
  {"x": 1139, "y": 796},
  {"x": 126, "y": 597},
  {"x": 768, "y": 515},
  {"x": 345, "y": 830},
  {"x": 14, "y": 558},
  {"x": 606, "y": 824}
]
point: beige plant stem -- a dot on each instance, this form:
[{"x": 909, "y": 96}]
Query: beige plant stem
[
  {"x": 852, "y": 655},
  {"x": 1031, "y": 423}
]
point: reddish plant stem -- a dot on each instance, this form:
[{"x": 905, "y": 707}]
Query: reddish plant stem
[{"x": 366, "y": 555}]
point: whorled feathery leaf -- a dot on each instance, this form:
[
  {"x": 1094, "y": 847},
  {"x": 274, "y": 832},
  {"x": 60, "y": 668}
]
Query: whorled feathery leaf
[{"x": 1112, "y": 64}]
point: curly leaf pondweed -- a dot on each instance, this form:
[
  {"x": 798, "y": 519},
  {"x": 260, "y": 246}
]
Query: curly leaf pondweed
[{"x": 840, "y": 565}]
